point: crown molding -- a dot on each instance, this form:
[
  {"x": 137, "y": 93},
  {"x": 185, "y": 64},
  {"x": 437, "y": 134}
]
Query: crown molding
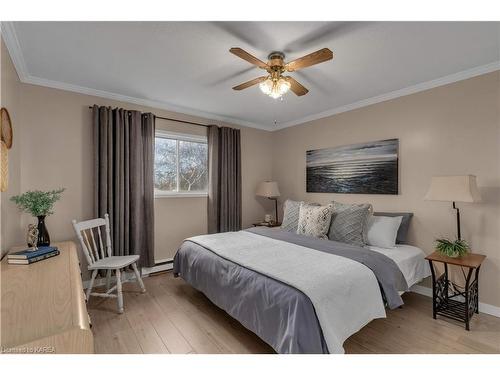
[
  {"x": 9, "y": 35},
  {"x": 206, "y": 116},
  {"x": 460, "y": 76},
  {"x": 12, "y": 43}
]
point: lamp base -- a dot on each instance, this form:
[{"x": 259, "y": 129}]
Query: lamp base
[{"x": 275, "y": 209}]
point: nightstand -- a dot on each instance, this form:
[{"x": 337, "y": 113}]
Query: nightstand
[
  {"x": 269, "y": 225},
  {"x": 444, "y": 291}
]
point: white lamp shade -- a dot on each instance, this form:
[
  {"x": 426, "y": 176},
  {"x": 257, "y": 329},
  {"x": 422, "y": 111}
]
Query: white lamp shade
[
  {"x": 453, "y": 189},
  {"x": 268, "y": 189}
]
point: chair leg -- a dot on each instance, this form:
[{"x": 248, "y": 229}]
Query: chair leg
[
  {"x": 138, "y": 278},
  {"x": 108, "y": 279},
  {"x": 119, "y": 290},
  {"x": 89, "y": 289}
]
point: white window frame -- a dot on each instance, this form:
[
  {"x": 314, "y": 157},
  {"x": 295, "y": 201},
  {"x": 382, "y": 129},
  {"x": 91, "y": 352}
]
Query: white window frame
[{"x": 180, "y": 137}]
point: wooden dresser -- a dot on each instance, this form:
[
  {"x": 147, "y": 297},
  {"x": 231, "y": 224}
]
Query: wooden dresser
[{"x": 43, "y": 306}]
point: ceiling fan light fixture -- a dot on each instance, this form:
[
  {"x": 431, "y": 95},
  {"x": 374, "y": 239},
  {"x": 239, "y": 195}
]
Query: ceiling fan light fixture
[
  {"x": 275, "y": 88},
  {"x": 275, "y": 85}
]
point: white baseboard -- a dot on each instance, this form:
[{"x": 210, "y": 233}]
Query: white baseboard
[{"x": 483, "y": 307}]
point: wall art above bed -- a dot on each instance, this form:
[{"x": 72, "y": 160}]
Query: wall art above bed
[{"x": 364, "y": 168}]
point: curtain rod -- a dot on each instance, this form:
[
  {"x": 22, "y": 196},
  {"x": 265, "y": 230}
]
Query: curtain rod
[{"x": 173, "y": 119}]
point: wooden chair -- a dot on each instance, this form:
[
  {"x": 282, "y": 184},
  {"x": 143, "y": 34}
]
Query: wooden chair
[{"x": 100, "y": 258}]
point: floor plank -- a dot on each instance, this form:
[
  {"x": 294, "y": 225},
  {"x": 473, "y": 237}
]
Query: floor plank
[{"x": 173, "y": 317}]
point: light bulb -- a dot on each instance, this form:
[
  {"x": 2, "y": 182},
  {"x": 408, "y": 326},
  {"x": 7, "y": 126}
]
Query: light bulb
[
  {"x": 283, "y": 86},
  {"x": 275, "y": 89},
  {"x": 266, "y": 86}
]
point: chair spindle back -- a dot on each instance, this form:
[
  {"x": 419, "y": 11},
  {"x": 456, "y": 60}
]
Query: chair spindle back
[{"x": 90, "y": 234}]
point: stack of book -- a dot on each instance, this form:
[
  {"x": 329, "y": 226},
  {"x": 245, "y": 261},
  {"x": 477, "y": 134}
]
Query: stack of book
[{"x": 29, "y": 256}]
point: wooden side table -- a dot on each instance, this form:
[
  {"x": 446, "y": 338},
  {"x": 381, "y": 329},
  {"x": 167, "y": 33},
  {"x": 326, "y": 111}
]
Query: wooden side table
[{"x": 445, "y": 292}]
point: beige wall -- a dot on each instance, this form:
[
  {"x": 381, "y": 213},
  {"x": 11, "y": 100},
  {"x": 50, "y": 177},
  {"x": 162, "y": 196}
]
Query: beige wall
[
  {"x": 448, "y": 130},
  {"x": 10, "y": 217}
]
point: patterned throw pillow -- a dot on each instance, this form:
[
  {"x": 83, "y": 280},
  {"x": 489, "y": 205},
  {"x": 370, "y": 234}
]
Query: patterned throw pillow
[
  {"x": 290, "y": 215},
  {"x": 348, "y": 223},
  {"x": 314, "y": 220}
]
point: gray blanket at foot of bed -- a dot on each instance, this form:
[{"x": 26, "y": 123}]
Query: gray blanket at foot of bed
[{"x": 279, "y": 314}]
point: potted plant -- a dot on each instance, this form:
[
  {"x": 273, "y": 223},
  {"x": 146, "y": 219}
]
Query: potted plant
[
  {"x": 453, "y": 249},
  {"x": 39, "y": 204}
]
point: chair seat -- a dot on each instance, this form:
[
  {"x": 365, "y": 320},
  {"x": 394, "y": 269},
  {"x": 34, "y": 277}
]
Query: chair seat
[{"x": 114, "y": 262}]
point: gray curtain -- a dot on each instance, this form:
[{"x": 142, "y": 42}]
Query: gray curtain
[
  {"x": 224, "y": 179},
  {"x": 123, "y": 178}
]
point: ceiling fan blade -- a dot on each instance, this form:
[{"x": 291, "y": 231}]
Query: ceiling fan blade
[
  {"x": 312, "y": 59},
  {"x": 248, "y": 57},
  {"x": 249, "y": 83},
  {"x": 296, "y": 87}
]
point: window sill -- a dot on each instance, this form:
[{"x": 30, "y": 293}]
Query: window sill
[{"x": 180, "y": 195}]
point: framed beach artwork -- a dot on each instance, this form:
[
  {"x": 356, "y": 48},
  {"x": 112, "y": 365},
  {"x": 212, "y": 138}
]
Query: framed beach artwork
[{"x": 364, "y": 168}]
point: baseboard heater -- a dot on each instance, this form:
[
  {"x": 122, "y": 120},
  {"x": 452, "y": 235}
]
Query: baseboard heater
[{"x": 160, "y": 266}]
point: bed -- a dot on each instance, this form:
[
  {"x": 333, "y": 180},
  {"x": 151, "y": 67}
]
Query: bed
[{"x": 299, "y": 294}]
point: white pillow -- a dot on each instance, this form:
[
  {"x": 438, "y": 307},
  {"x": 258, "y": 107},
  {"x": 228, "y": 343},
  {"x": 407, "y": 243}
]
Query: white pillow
[{"x": 382, "y": 231}]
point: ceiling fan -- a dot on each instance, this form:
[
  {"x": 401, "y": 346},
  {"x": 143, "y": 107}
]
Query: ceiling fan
[{"x": 275, "y": 84}]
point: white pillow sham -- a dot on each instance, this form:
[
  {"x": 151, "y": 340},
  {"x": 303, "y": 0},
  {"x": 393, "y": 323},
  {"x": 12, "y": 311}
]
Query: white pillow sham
[{"x": 381, "y": 231}]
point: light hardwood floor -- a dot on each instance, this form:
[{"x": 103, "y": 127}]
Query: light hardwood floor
[{"x": 172, "y": 317}]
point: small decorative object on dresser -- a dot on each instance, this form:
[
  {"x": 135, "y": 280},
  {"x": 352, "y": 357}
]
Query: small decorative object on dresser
[
  {"x": 269, "y": 189},
  {"x": 32, "y": 236},
  {"x": 445, "y": 292},
  {"x": 39, "y": 203}
]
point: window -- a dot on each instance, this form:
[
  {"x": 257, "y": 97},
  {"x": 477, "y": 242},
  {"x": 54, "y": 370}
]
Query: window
[{"x": 180, "y": 164}]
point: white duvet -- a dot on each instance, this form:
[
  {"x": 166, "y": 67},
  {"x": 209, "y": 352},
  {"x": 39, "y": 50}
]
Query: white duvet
[
  {"x": 344, "y": 293},
  {"x": 410, "y": 260}
]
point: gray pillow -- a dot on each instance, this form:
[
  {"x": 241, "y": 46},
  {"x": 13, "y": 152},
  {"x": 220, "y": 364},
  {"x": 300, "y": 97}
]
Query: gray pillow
[
  {"x": 291, "y": 215},
  {"x": 314, "y": 220},
  {"x": 348, "y": 223},
  {"x": 405, "y": 223}
]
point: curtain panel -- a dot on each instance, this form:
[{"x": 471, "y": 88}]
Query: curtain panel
[
  {"x": 123, "y": 178},
  {"x": 224, "y": 179}
]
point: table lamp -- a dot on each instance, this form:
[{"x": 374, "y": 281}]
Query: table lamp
[
  {"x": 269, "y": 189},
  {"x": 454, "y": 189}
]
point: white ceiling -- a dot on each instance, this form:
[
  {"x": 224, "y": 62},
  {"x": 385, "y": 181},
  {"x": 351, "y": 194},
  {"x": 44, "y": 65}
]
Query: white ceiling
[{"x": 186, "y": 66}]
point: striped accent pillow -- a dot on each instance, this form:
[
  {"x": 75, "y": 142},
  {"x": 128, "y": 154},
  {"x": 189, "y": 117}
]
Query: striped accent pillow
[
  {"x": 291, "y": 215},
  {"x": 348, "y": 223}
]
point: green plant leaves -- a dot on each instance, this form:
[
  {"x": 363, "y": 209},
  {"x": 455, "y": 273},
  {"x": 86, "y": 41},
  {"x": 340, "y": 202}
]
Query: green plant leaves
[
  {"x": 36, "y": 202},
  {"x": 456, "y": 248}
]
